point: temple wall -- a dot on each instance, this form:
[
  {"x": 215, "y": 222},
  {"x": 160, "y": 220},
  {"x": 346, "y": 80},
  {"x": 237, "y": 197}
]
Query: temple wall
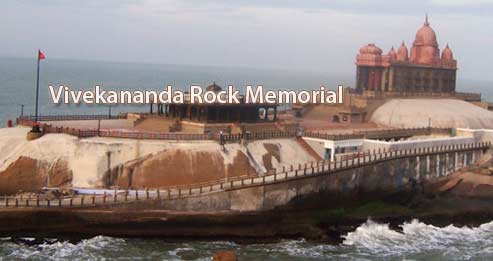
[{"x": 406, "y": 78}]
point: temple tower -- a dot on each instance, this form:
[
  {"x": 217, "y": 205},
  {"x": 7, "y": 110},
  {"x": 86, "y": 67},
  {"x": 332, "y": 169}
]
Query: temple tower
[{"x": 424, "y": 70}]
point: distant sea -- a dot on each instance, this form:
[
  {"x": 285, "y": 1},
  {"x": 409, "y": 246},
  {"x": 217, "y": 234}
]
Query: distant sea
[{"x": 18, "y": 81}]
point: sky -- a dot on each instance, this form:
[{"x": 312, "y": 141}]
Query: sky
[{"x": 319, "y": 35}]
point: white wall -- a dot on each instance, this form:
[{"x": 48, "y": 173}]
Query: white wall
[
  {"x": 411, "y": 144},
  {"x": 320, "y": 145},
  {"x": 479, "y": 135},
  {"x": 466, "y": 136}
]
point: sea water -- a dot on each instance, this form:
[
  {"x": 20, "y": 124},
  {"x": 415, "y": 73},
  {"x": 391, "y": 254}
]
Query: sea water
[
  {"x": 18, "y": 82},
  {"x": 370, "y": 241}
]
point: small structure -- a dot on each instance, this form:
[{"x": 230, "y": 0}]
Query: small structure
[
  {"x": 218, "y": 112},
  {"x": 349, "y": 115}
]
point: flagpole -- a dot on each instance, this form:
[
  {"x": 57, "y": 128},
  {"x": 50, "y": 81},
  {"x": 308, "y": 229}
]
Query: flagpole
[{"x": 37, "y": 90}]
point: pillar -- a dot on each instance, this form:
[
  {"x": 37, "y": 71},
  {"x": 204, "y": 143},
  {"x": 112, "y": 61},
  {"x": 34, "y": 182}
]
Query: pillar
[
  {"x": 437, "y": 171},
  {"x": 427, "y": 164},
  {"x": 456, "y": 160},
  {"x": 446, "y": 162},
  {"x": 376, "y": 78},
  {"x": 369, "y": 80}
]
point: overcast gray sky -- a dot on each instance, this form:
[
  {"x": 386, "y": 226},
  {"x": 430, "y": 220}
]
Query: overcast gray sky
[{"x": 320, "y": 35}]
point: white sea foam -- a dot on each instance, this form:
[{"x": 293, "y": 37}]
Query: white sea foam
[
  {"x": 370, "y": 241},
  {"x": 418, "y": 239}
]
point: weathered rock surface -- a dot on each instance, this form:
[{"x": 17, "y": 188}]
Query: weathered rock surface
[
  {"x": 59, "y": 159},
  {"x": 28, "y": 175},
  {"x": 177, "y": 167}
]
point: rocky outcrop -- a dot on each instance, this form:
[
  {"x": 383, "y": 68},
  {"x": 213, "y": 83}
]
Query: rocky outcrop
[
  {"x": 58, "y": 159},
  {"x": 177, "y": 167},
  {"x": 28, "y": 175}
]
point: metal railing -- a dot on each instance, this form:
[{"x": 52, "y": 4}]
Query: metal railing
[
  {"x": 87, "y": 132},
  {"x": 73, "y": 117},
  {"x": 380, "y": 133}
]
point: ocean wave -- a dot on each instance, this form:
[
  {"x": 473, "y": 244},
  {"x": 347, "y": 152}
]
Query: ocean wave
[
  {"x": 108, "y": 248},
  {"x": 51, "y": 249},
  {"x": 370, "y": 241},
  {"x": 420, "y": 239}
]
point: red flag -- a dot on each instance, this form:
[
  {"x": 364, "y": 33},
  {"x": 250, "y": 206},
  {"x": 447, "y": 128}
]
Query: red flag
[{"x": 41, "y": 55}]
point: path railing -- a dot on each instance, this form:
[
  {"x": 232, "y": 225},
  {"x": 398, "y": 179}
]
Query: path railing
[
  {"x": 133, "y": 134},
  {"x": 380, "y": 133},
  {"x": 307, "y": 170},
  {"x": 73, "y": 117},
  {"x": 154, "y": 135}
]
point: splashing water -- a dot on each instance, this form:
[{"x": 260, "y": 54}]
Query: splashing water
[
  {"x": 370, "y": 241},
  {"x": 419, "y": 240}
]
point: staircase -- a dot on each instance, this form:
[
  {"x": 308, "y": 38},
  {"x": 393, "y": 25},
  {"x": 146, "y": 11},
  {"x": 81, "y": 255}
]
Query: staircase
[{"x": 308, "y": 149}]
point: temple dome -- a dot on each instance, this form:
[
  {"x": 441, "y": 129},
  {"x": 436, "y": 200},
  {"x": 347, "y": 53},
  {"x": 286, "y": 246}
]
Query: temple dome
[
  {"x": 370, "y": 49},
  {"x": 402, "y": 54},
  {"x": 412, "y": 113},
  {"x": 425, "y": 47},
  {"x": 392, "y": 53},
  {"x": 447, "y": 54},
  {"x": 426, "y": 36},
  {"x": 214, "y": 87}
]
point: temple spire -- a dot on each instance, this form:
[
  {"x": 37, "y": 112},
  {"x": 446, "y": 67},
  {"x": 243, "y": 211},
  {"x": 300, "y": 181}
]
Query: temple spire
[{"x": 426, "y": 20}]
